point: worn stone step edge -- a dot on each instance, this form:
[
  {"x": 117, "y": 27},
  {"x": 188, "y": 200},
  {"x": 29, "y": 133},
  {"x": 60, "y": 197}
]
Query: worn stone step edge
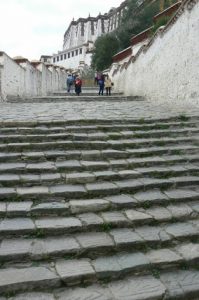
[
  {"x": 100, "y": 145},
  {"x": 74, "y": 272},
  {"x": 181, "y": 283},
  {"x": 105, "y": 188},
  {"x": 178, "y": 118},
  {"x": 92, "y": 166},
  {"x": 128, "y": 217},
  {"x": 28, "y": 178},
  {"x": 87, "y": 97},
  {"x": 101, "y": 127},
  {"x": 40, "y": 246},
  {"x": 174, "y": 199},
  {"x": 60, "y": 155},
  {"x": 8, "y": 138}
]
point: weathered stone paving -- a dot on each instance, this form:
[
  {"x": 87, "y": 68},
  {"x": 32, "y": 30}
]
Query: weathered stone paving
[
  {"x": 96, "y": 108},
  {"x": 98, "y": 201}
]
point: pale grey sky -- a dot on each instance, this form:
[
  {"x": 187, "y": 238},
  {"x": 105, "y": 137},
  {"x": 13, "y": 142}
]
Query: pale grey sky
[{"x": 30, "y": 28}]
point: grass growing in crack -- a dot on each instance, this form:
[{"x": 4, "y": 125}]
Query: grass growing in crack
[
  {"x": 177, "y": 152},
  {"x": 138, "y": 136},
  {"x": 70, "y": 256},
  {"x": 160, "y": 143},
  {"x": 146, "y": 205},
  {"x": 10, "y": 294},
  {"x": 155, "y": 273},
  {"x": 16, "y": 198},
  {"x": 164, "y": 126},
  {"x": 165, "y": 175},
  {"x": 84, "y": 284},
  {"x": 141, "y": 121},
  {"x": 38, "y": 233},
  {"x": 35, "y": 264},
  {"x": 106, "y": 280},
  {"x": 106, "y": 227},
  {"x": 184, "y": 266},
  {"x": 1, "y": 265},
  {"x": 183, "y": 118}
]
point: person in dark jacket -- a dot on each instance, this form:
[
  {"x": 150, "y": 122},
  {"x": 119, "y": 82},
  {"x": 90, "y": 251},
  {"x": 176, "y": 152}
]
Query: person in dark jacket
[
  {"x": 69, "y": 82},
  {"x": 101, "y": 85},
  {"x": 78, "y": 85}
]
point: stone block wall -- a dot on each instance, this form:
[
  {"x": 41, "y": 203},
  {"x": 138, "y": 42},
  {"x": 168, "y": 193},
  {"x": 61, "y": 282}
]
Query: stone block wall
[
  {"x": 22, "y": 78},
  {"x": 167, "y": 68}
]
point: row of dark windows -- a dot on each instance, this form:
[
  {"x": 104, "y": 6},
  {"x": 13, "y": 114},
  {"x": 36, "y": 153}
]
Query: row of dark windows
[{"x": 67, "y": 55}]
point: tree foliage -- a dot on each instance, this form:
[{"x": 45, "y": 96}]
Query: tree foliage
[
  {"x": 135, "y": 19},
  {"x": 105, "y": 47}
]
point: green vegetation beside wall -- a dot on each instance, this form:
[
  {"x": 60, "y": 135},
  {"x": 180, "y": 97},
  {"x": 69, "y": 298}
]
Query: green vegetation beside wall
[{"x": 134, "y": 21}]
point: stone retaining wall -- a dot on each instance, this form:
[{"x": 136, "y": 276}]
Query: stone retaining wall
[
  {"x": 22, "y": 78},
  {"x": 167, "y": 68}
]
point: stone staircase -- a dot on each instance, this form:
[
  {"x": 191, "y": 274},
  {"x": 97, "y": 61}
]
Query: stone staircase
[
  {"x": 99, "y": 209},
  {"x": 88, "y": 94}
]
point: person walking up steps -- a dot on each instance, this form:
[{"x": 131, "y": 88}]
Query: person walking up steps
[
  {"x": 78, "y": 85},
  {"x": 101, "y": 85},
  {"x": 108, "y": 85},
  {"x": 69, "y": 82}
]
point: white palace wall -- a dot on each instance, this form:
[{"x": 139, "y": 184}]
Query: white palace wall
[
  {"x": 167, "y": 68},
  {"x": 28, "y": 80}
]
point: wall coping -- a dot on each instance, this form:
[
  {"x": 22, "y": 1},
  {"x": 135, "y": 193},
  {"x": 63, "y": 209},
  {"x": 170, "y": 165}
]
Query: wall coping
[{"x": 186, "y": 4}]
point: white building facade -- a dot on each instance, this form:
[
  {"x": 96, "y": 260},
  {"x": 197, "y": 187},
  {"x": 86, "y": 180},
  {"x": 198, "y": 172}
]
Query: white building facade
[{"x": 81, "y": 35}]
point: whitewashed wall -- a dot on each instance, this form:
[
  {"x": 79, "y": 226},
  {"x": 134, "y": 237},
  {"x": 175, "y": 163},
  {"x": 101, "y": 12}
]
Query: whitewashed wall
[
  {"x": 167, "y": 69},
  {"x": 12, "y": 77},
  {"x": 25, "y": 80}
]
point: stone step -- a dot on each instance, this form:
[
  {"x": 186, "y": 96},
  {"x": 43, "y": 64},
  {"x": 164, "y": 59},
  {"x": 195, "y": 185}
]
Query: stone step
[
  {"x": 145, "y": 287},
  {"x": 128, "y": 217},
  {"x": 38, "y": 174},
  {"x": 39, "y": 247},
  {"x": 97, "y": 135},
  {"x": 49, "y": 128},
  {"x": 100, "y": 145},
  {"x": 166, "y": 162},
  {"x": 85, "y": 202},
  {"x": 73, "y": 272},
  {"x": 87, "y": 97},
  {"x": 180, "y": 119},
  {"x": 107, "y": 154},
  {"x": 183, "y": 284},
  {"x": 95, "y": 189},
  {"x": 168, "y": 199}
]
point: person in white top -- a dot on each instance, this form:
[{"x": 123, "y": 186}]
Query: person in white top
[{"x": 108, "y": 85}]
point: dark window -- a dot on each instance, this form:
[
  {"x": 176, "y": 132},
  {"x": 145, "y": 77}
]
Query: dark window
[
  {"x": 64, "y": 56},
  {"x": 82, "y": 29},
  {"x": 54, "y": 59},
  {"x": 92, "y": 28},
  {"x": 69, "y": 55},
  {"x": 76, "y": 52},
  {"x": 72, "y": 53},
  {"x": 80, "y": 51},
  {"x": 61, "y": 57},
  {"x": 103, "y": 30},
  {"x": 57, "y": 58}
]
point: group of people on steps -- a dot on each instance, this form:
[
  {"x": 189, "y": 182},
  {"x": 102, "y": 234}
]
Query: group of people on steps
[
  {"x": 76, "y": 81},
  {"x": 103, "y": 82}
]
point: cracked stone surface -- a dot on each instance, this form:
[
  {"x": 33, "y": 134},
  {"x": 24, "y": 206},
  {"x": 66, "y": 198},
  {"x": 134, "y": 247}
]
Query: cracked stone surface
[{"x": 98, "y": 190}]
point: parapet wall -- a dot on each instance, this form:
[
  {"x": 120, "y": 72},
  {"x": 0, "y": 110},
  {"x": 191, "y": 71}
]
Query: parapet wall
[
  {"x": 167, "y": 68},
  {"x": 22, "y": 78}
]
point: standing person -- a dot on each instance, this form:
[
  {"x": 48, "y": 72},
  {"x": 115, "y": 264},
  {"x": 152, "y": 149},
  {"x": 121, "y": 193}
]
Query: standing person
[
  {"x": 101, "y": 85},
  {"x": 78, "y": 85},
  {"x": 108, "y": 85},
  {"x": 69, "y": 82}
]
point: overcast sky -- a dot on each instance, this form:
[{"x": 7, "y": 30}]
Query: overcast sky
[{"x": 31, "y": 28}]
